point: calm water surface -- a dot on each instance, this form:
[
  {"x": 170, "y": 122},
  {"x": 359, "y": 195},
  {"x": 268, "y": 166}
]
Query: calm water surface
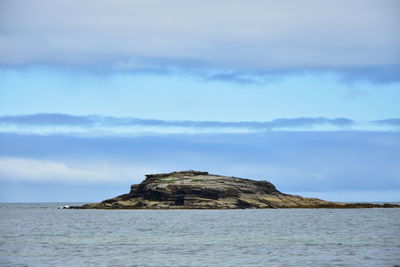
[{"x": 42, "y": 235}]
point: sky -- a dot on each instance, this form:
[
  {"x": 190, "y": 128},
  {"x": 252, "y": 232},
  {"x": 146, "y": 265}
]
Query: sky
[{"x": 96, "y": 94}]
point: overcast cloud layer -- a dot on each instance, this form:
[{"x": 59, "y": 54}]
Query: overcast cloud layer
[{"x": 220, "y": 39}]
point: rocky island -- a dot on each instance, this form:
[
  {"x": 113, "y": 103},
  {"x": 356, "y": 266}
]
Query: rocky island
[{"x": 201, "y": 190}]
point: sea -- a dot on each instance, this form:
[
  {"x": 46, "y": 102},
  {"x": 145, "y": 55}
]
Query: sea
[{"x": 41, "y": 234}]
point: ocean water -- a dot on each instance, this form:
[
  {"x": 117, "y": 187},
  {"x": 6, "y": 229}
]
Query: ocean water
[{"x": 42, "y": 235}]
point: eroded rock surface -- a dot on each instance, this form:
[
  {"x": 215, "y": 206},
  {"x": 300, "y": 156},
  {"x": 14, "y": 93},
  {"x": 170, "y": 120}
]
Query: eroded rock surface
[{"x": 201, "y": 190}]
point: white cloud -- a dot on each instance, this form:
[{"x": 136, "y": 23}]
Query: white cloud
[
  {"x": 27, "y": 169},
  {"x": 92, "y": 126}
]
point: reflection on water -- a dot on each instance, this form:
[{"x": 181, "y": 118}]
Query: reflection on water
[{"x": 42, "y": 235}]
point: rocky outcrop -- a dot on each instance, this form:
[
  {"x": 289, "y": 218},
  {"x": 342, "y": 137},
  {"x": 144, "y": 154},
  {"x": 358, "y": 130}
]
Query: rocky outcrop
[{"x": 201, "y": 190}]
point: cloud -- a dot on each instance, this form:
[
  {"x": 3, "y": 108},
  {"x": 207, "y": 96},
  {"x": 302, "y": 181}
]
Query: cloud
[
  {"x": 46, "y": 119},
  {"x": 377, "y": 74},
  {"x": 299, "y": 122},
  {"x": 30, "y": 169},
  {"x": 392, "y": 122},
  {"x": 40, "y": 170},
  {"x": 228, "y": 37},
  {"x": 95, "y": 124},
  {"x": 237, "y": 77}
]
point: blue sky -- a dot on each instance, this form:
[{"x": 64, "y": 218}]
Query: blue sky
[
  {"x": 183, "y": 96},
  {"x": 95, "y": 94}
]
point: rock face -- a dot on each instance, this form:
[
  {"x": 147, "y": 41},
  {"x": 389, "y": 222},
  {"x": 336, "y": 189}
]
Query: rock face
[{"x": 201, "y": 190}]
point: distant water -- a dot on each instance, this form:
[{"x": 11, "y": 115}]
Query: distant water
[{"x": 42, "y": 235}]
